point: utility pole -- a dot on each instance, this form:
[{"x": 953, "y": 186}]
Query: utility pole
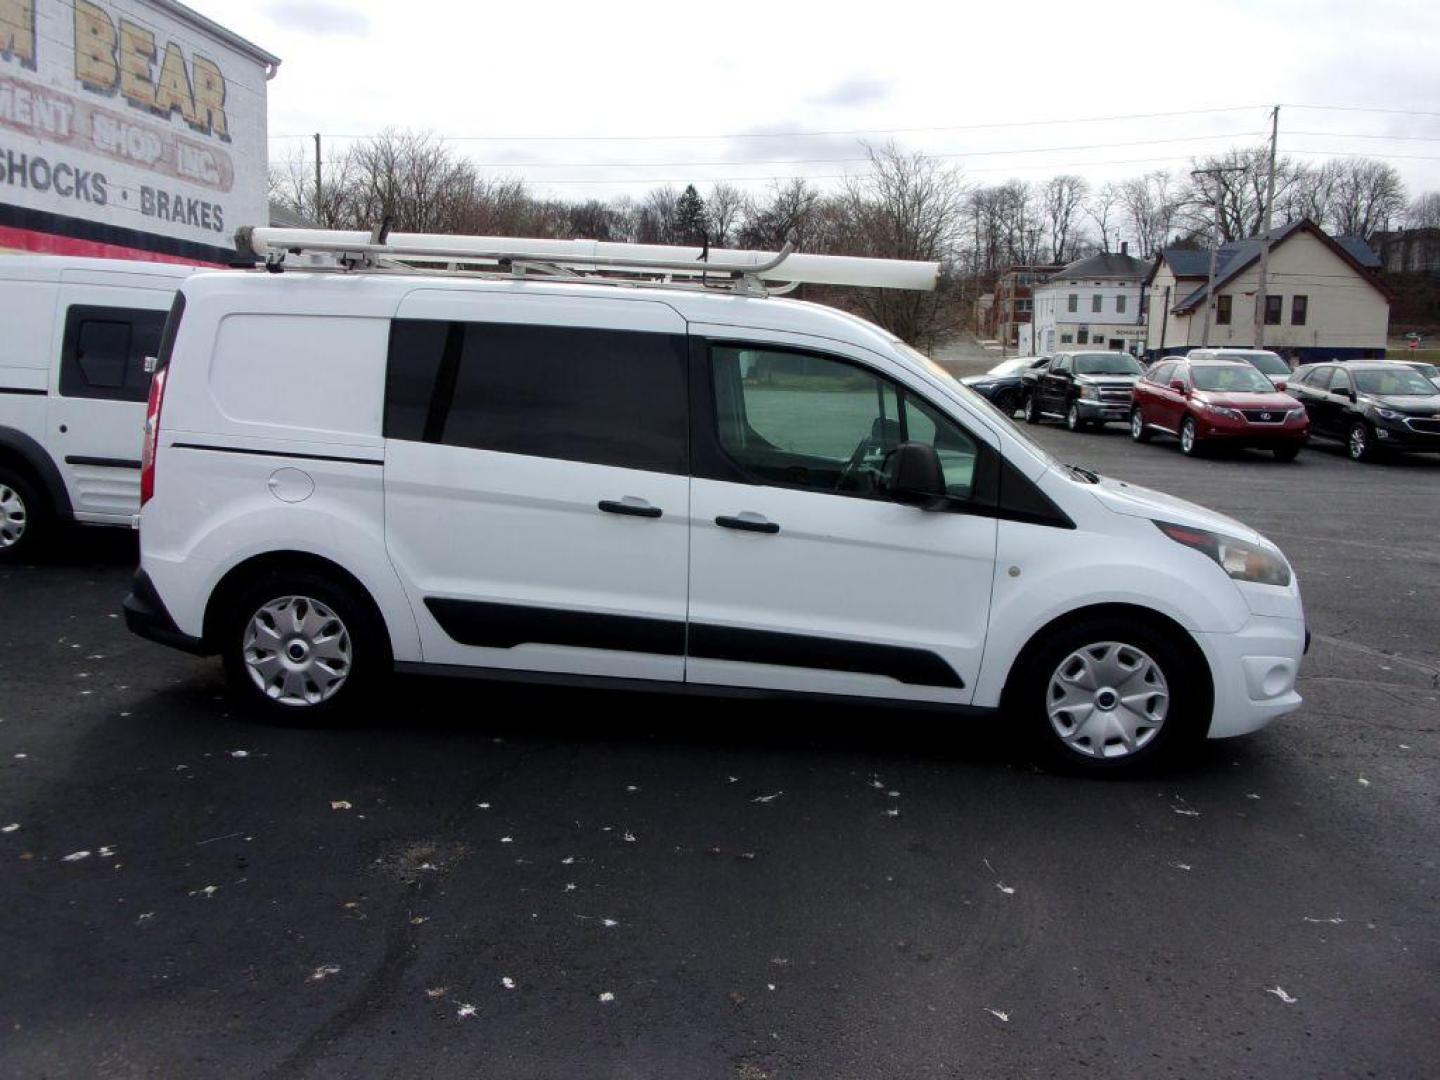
[
  {"x": 319, "y": 216},
  {"x": 1265, "y": 234},
  {"x": 1214, "y": 251}
]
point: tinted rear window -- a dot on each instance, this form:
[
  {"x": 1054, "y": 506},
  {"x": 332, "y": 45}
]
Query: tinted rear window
[
  {"x": 606, "y": 397},
  {"x": 103, "y": 355}
]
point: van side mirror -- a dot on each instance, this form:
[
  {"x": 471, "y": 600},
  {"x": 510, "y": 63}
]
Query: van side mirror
[{"x": 914, "y": 476}]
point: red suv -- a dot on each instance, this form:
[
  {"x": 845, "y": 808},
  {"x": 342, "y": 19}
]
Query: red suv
[{"x": 1208, "y": 402}]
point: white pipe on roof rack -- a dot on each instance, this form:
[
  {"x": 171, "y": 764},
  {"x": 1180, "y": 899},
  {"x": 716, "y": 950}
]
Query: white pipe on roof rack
[{"x": 797, "y": 268}]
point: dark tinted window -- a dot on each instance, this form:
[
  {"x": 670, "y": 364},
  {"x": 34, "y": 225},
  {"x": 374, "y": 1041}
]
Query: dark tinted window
[
  {"x": 103, "y": 355},
  {"x": 1160, "y": 373},
  {"x": 607, "y": 397}
]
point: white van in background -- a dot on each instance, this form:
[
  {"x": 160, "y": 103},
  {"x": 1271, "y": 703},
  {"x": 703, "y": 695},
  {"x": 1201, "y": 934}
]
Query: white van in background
[
  {"x": 73, "y": 385},
  {"x": 649, "y": 485}
]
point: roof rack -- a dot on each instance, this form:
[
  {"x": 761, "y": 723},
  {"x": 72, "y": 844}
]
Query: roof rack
[{"x": 751, "y": 273}]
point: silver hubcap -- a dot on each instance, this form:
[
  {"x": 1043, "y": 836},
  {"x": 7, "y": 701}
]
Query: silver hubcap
[
  {"x": 1187, "y": 437},
  {"x": 12, "y": 517},
  {"x": 1357, "y": 441},
  {"x": 297, "y": 651},
  {"x": 1074, "y": 418},
  {"x": 1107, "y": 700},
  {"x": 1137, "y": 426}
]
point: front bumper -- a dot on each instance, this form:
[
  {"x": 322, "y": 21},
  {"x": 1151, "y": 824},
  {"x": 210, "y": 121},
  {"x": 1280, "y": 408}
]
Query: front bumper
[
  {"x": 1103, "y": 411},
  {"x": 1254, "y": 671},
  {"x": 146, "y": 615},
  {"x": 1401, "y": 435}
]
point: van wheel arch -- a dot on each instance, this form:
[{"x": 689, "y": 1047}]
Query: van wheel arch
[
  {"x": 1153, "y": 619},
  {"x": 24, "y": 455},
  {"x": 239, "y": 577}
]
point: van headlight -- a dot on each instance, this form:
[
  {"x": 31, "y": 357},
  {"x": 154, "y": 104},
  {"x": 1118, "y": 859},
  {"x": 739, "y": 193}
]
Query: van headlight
[{"x": 1242, "y": 560}]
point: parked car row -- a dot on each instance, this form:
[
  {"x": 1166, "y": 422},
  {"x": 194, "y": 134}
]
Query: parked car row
[{"x": 1232, "y": 397}]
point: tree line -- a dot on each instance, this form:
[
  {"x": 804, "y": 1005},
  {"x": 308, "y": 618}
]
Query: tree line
[{"x": 902, "y": 205}]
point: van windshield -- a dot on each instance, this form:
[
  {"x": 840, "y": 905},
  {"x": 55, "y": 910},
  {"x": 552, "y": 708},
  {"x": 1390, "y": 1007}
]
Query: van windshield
[{"x": 984, "y": 405}]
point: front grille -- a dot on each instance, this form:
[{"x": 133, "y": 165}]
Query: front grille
[
  {"x": 1264, "y": 416},
  {"x": 1429, "y": 427},
  {"x": 1116, "y": 393}
]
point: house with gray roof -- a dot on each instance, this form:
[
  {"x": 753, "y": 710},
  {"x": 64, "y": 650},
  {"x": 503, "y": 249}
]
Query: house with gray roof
[
  {"x": 1091, "y": 303},
  {"x": 1324, "y": 299}
]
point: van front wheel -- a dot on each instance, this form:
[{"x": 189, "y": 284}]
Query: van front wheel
[
  {"x": 1107, "y": 695},
  {"x": 301, "y": 646}
]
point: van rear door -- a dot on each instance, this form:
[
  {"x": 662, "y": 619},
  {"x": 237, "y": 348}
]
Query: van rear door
[{"x": 536, "y": 497}]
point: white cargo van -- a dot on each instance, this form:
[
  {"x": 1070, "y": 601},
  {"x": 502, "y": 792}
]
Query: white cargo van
[
  {"x": 73, "y": 383},
  {"x": 672, "y": 484}
]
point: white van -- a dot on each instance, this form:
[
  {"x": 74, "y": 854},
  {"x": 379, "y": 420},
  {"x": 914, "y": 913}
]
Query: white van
[
  {"x": 73, "y": 383},
  {"x": 650, "y": 486}
]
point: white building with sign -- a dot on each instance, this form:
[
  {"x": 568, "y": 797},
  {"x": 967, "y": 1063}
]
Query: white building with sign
[
  {"x": 1093, "y": 303},
  {"x": 128, "y": 129}
]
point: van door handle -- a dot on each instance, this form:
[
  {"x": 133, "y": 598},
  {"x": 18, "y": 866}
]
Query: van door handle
[
  {"x": 631, "y": 506},
  {"x": 754, "y": 523}
]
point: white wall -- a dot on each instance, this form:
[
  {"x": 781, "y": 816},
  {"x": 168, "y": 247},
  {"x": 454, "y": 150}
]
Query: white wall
[{"x": 1054, "y": 319}]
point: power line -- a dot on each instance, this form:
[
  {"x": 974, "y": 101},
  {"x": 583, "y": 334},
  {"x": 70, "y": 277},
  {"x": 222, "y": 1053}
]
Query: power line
[
  {"x": 849, "y": 160},
  {"x": 810, "y": 134},
  {"x": 1363, "y": 109}
]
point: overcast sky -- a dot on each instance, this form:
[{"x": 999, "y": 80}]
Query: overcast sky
[{"x": 563, "y": 91}]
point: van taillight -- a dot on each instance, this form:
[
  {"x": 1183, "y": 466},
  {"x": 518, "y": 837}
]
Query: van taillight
[{"x": 152, "y": 435}]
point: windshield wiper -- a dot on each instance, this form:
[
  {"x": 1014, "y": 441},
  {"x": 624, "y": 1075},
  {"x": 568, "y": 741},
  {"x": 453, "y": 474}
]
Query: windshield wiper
[{"x": 1084, "y": 474}]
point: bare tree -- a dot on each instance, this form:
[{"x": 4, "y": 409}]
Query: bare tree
[
  {"x": 908, "y": 206},
  {"x": 1063, "y": 195},
  {"x": 1424, "y": 212},
  {"x": 1228, "y": 201},
  {"x": 1151, "y": 205},
  {"x": 1367, "y": 195},
  {"x": 1102, "y": 208},
  {"x": 791, "y": 211},
  {"x": 725, "y": 211}
]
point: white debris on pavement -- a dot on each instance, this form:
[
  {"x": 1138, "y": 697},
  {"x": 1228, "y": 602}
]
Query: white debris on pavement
[
  {"x": 1185, "y": 811},
  {"x": 629, "y": 837},
  {"x": 340, "y": 804},
  {"x": 1282, "y": 995},
  {"x": 570, "y": 886},
  {"x": 239, "y": 753},
  {"x": 208, "y": 891},
  {"x": 1182, "y": 866},
  {"x": 1003, "y": 1017},
  {"x": 12, "y": 827},
  {"x": 631, "y": 787},
  {"x": 1364, "y": 782},
  {"x": 107, "y": 852},
  {"x": 465, "y": 1011},
  {"x": 608, "y": 923},
  {"x": 767, "y": 798},
  {"x": 145, "y": 916},
  {"x": 482, "y": 806},
  {"x": 893, "y": 811},
  {"x": 507, "y": 982},
  {"x": 323, "y": 972},
  {"x": 1334, "y": 920},
  {"x": 507, "y": 839},
  {"x": 607, "y": 996},
  {"x": 567, "y": 860},
  {"x": 76, "y": 856},
  {"x": 1008, "y": 890}
]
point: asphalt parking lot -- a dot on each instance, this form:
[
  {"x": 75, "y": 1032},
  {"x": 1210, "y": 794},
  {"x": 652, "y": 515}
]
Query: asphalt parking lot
[{"x": 509, "y": 882}]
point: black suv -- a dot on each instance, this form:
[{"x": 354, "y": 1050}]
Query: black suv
[
  {"x": 1373, "y": 406},
  {"x": 1084, "y": 388}
]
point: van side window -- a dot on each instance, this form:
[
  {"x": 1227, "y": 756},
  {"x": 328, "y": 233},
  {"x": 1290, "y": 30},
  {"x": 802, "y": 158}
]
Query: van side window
[
  {"x": 795, "y": 419},
  {"x": 958, "y": 451},
  {"x": 104, "y": 351},
  {"x": 604, "y": 397}
]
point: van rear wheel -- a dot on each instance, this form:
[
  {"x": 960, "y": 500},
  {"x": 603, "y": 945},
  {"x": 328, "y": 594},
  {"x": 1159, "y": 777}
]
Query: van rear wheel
[
  {"x": 25, "y": 517},
  {"x": 1105, "y": 694},
  {"x": 301, "y": 646}
]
